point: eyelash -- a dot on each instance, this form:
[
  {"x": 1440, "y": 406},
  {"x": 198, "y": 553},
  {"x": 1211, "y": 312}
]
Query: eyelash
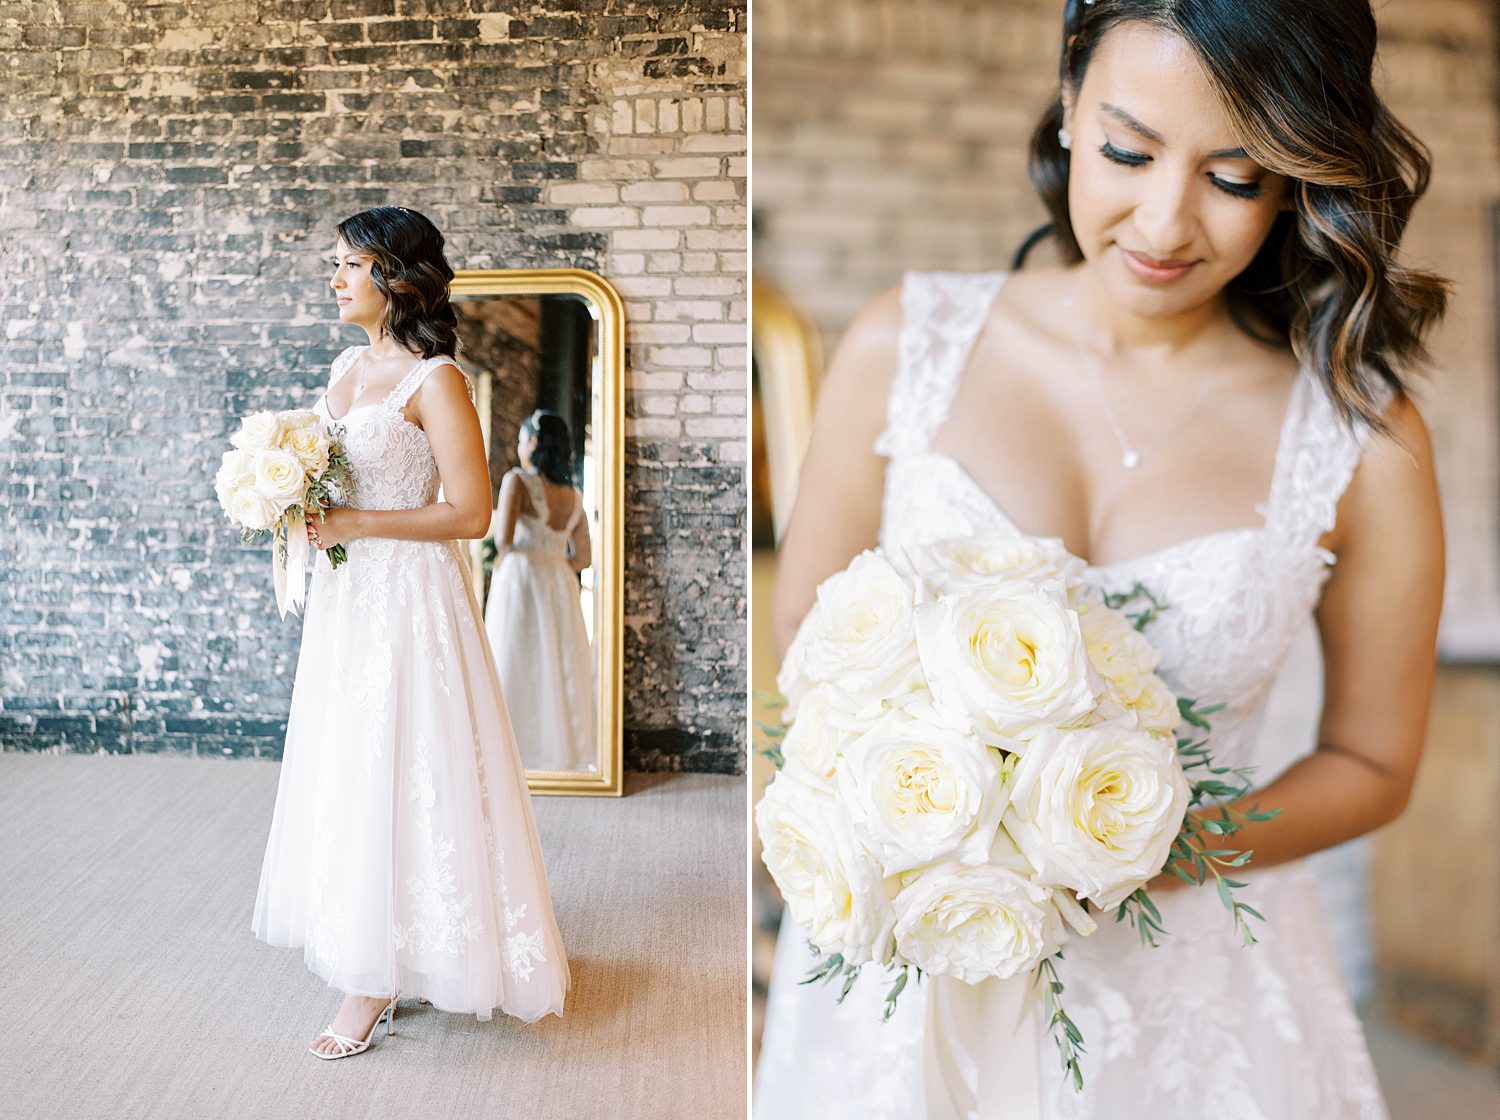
[{"x": 1135, "y": 159}]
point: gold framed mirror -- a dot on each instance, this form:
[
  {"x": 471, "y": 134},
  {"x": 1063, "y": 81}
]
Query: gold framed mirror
[{"x": 546, "y": 351}]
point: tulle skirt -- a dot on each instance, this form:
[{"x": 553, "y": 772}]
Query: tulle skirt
[
  {"x": 403, "y": 853},
  {"x": 541, "y": 647}
]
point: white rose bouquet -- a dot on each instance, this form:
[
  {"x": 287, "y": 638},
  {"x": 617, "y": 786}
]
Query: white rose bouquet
[
  {"x": 281, "y": 463},
  {"x": 975, "y": 744}
]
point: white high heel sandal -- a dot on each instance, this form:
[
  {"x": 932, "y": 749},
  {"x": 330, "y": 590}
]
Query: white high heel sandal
[{"x": 347, "y": 1047}]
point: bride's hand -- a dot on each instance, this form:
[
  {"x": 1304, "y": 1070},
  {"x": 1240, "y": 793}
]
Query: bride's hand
[{"x": 336, "y": 525}]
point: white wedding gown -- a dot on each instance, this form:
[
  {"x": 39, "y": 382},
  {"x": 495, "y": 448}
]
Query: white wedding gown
[
  {"x": 403, "y": 853},
  {"x": 1199, "y": 1027},
  {"x": 541, "y": 645}
]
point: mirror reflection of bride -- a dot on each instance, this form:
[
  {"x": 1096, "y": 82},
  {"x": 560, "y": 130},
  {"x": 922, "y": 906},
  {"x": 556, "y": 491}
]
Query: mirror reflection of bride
[{"x": 533, "y": 614}]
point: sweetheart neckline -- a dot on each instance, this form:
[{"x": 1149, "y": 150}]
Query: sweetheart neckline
[
  {"x": 1156, "y": 554},
  {"x": 396, "y": 412}
]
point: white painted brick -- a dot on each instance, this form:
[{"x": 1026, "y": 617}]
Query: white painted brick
[
  {"x": 692, "y": 114},
  {"x": 687, "y": 167},
  {"x": 627, "y": 264},
  {"x": 660, "y": 332},
  {"x": 726, "y": 333},
  {"x": 736, "y": 264},
  {"x": 730, "y": 357},
  {"x": 652, "y": 191},
  {"x": 646, "y": 239},
  {"x": 707, "y": 286},
  {"x": 599, "y": 217},
  {"x": 730, "y": 216},
  {"x": 718, "y": 382},
  {"x": 637, "y": 427},
  {"x": 737, "y": 167},
  {"x": 643, "y": 286},
  {"x": 666, "y": 262},
  {"x": 714, "y": 142},
  {"x": 676, "y": 215},
  {"x": 656, "y": 404},
  {"x": 668, "y": 119},
  {"x": 728, "y": 404},
  {"x": 714, "y": 426},
  {"x": 569, "y": 194},
  {"x": 714, "y": 115},
  {"x": 680, "y": 357},
  {"x": 697, "y": 403},
  {"x": 640, "y": 146},
  {"x": 736, "y": 115},
  {"x": 645, "y": 115},
  {"x": 698, "y": 310},
  {"x": 731, "y": 239},
  {"x": 702, "y": 262},
  {"x": 733, "y": 451},
  {"x": 620, "y": 118},
  {"x": 638, "y": 312},
  {"x": 658, "y": 380},
  {"x": 713, "y": 190},
  {"x": 624, "y": 169}
]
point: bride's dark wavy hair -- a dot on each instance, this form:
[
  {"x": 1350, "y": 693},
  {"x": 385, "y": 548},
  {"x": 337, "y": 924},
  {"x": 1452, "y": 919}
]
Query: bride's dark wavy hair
[
  {"x": 408, "y": 267},
  {"x": 553, "y": 456},
  {"x": 1295, "y": 79}
]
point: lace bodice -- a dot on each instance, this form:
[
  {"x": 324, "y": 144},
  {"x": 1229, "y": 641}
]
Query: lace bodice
[
  {"x": 1199, "y": 1024},
  {"x": 1235, "y": 599},
  {"x": 389, "y": 456},
  {"x": 533, "y": 532}
]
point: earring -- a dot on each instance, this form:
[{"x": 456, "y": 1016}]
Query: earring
[{"x": 1065, "y": 138}]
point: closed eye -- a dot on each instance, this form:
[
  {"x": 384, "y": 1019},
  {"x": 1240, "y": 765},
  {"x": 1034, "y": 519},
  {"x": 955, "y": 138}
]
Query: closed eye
[{"x": 1232, "y": 187}]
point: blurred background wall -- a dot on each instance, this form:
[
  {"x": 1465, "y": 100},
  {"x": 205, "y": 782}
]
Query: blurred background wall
[
  {"x": 170, "y": 178},
  {"x": 892, "y": 135}
]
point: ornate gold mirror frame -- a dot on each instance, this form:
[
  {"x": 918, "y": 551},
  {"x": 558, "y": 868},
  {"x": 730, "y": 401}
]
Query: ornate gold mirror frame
[{"x": 604, "y": 486}]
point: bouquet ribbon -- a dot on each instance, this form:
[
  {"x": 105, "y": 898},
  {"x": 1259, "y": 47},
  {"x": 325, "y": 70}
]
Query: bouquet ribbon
[
  {"x": 289, "y": 564},
  {"x": 980, "y": 1049}
]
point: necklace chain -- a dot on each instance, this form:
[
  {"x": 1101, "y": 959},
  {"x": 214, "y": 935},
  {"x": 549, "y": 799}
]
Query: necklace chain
[{"x": 1130, "y": 455}]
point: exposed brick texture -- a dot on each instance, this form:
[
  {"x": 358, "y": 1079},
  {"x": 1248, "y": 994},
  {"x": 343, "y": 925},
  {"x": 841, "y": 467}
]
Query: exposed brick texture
[
  {"x": 170, "y": 175},
  {"x": 891, "y": 135}
]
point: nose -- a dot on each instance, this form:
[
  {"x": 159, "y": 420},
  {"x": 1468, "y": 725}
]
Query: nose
[{"x": 1165, "y": 215}]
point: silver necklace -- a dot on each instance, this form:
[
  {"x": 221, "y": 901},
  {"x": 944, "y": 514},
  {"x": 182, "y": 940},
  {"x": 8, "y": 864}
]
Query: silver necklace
[{"x": 1130, "y": 455}]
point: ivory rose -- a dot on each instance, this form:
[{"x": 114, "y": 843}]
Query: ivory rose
[
  {"x": 1096, "y": 809},
  {"x": 279, "y": 476},
  {"x": 973, "y": 923},
  {"x": 1008, "y": 659},
  {"x": 258, "y": 431},
  {"x": 832, "y": 886},
  {"x": 918, "y": 792}
]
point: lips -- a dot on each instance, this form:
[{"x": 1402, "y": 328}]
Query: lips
[{"x": 1154, "y": 269}]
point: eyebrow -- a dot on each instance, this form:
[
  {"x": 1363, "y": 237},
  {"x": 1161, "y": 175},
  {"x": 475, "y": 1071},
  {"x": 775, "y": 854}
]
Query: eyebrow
[{"x": 1157, "y": 138}]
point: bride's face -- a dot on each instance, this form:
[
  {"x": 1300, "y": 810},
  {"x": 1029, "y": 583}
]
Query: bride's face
[
  {"x": 1166, "y": 207},
  {"x": 359, "y": 301}
]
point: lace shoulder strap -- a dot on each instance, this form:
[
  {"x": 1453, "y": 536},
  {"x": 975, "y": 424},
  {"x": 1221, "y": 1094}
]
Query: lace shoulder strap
[
  {"x": 342, "y": 363},
  {"x": 1313, "y": 470},
  {"x": 536, "y": 492},
  {"x": 413, "y": 380},
  {"x": 941, "y": 316}
]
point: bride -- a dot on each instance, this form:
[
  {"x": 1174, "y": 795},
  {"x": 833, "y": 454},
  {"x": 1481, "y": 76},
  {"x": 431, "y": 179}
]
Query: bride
[
  {"x": 1209, "y": 398},
  {"x": 403, "y": 855}
]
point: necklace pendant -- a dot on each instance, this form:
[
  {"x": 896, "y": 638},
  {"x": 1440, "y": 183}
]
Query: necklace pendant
[{"x": 1131, "y": 460}]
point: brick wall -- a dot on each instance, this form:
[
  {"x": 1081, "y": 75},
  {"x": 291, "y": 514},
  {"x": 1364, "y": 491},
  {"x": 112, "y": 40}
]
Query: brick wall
[
  {"x": 170, "y": 175},
  {"x": 891, "y": 135}
]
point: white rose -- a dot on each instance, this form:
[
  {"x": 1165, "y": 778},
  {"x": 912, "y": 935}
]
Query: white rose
[
  {"x": 298, "y": 419},
  {"x": 832, "y": 886},
  {"x": 279, "y": 476},
  {"x": 818, "y": 735},
  {"x": 960, "y": 563},
  {"x": 859, "y": 634},
  {"x": 1127, "y": 662},
  {"x": 1096, "y": 809},
  {"x": 973, "y": 923},
  {"x": 252, "y": 509},
  {"x": 310, "y": 446},
  {"x": 258, "y": 431},
  {"x": 918, "y": 792},
  {"x": 236, "y": 470},
  {"x": 1009, "y": 658}
]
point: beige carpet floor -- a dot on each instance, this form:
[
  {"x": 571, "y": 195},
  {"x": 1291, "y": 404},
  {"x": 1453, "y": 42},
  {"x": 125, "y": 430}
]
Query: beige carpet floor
[{"x": 131, "y": 986}]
